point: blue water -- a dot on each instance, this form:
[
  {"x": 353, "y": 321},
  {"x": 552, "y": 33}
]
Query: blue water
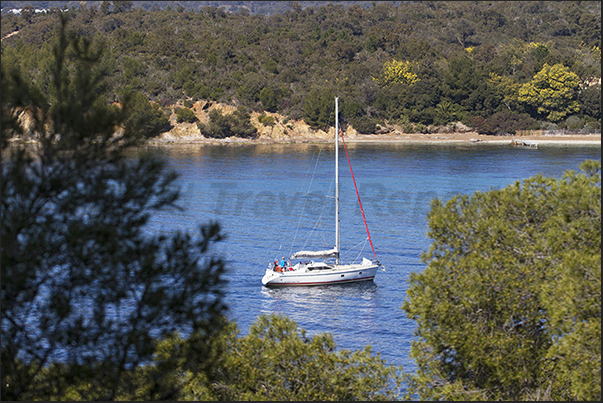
[{"x": 270, "y": 198}]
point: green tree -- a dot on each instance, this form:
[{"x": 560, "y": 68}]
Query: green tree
[
  {"x": 278, "y": 361},
  {"x": 319, "y": 110},
  {"x": 552, "y": 93},
  {"x": 241, "y": 124},
  {"x": 144, "y": 116},
  {"x": 104, "y": 7},
  {"x": 221, "y": 126},
  {"x": 86, "y": 291},
  {"x": 226, "y": 52},
  {"x": 122, "y": 6},
  {"x": 446, "y": 112},
  {"x": 590, "y": 101},
  {"x": 268, "y": 99},
  {"x": 462, "y": 30},
  {"x": 509, "y": 306},
  {"x": 507, "y": 88},
  {"x": 185, "y": 115},
  {"x": 463, "y": 82},
  {"x": 353, "y": 113}
]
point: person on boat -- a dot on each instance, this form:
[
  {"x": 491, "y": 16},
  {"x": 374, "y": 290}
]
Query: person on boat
[
  {"x": 276, "y": 265},
  {"x": 283, "y": 263}
]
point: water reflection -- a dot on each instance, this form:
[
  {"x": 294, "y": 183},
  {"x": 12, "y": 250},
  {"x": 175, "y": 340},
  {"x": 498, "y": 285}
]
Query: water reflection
[
  {"x": 320, "y": 294},
  {"x": 338, "y": 309}
]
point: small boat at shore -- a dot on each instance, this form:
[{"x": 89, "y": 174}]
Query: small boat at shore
[
  {"x": 329, "y": 269},
  {"x": 524, "y": 143}
]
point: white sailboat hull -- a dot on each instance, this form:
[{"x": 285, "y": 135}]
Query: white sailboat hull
[{"x": 307, "y": 276}]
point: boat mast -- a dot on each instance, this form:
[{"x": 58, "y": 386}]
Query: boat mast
[{"x": 336, "y": 180}]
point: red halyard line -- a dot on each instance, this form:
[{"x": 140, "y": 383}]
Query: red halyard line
[{"x": 357, "y": 194}]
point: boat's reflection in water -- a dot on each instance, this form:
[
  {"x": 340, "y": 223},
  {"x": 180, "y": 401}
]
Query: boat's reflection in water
[
  {"x": 322, "y": 293},
  {"x": 336, "y": 308}
]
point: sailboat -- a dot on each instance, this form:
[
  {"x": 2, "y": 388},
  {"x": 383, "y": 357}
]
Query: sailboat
[{"x": 323, "y": 270}]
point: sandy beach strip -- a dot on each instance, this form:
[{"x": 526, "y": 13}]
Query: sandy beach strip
[{"x": 406, "y": 138}]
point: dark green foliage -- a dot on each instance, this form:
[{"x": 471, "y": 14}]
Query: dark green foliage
[
  {"x": 237, "y": 124},
  {"x": 509, "y": 306},
  {"x": 319, "y": 111},
  {"x": 86, "y": 291},
  {"x": 266, "y": 120},
  {"x": 461, "y": 82},
  {"x": 268, "y": 99},
  {"x": 590, "y": 101},
  {"x": 250, "y": 87},
  {"x": 417, "y": 103},
  {"x": 354, "y": 114},
  {"x": 446, "y": 112},
  {"x": 364, "y": 125},
  {"x": 503, "y": 123},
  {"x": 148, "y": 118},
  {"x": 122, "y": 6},
  {"x": 277, "y": 361},
  {"x": 185, "y": 115}
]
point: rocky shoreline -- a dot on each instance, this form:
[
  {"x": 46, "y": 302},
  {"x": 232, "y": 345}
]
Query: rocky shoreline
[
  {"x": 283, "y": 130},
  {"x": 288, "y": 131}
]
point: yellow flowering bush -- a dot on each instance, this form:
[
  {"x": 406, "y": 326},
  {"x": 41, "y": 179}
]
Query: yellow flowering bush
[{"x": 396, "y": 72}]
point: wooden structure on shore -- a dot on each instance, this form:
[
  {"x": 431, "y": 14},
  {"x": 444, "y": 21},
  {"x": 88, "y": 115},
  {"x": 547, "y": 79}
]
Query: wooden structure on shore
[{"x": 524, "y": 143}]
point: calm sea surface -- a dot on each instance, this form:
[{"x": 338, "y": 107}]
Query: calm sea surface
[{"x": 272, "y": 200}]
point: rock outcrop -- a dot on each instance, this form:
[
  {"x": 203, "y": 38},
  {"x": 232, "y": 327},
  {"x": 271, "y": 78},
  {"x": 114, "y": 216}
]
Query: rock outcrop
[{"x": 274, "y": 129}]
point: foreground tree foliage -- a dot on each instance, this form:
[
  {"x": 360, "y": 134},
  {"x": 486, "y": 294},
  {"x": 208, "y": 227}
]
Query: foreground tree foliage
[
  {"x": 509, "y": 307},
  {"x": 277, "y": 361},
  {"x": 86, "y": 291}
]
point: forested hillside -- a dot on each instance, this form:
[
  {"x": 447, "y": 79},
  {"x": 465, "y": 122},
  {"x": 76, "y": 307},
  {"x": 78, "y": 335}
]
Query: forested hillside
[
  {"x": 496, "y": 66},
  {"x": 254, "y": 6}
]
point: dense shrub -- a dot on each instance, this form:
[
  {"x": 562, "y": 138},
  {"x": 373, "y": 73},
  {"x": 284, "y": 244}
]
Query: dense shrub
[
  {"x": 145, "y": 116},
  {"x": 503, "y": 123},
  {"x": 185, "y": 115},
  {"x": 236, "y": 124},
  {"x": 590, "y": 101},
  {"x": 509, "y": 304},
  {"x": 364, "y": 125},
  {"x": 266, "y": 120},
  {"x": 268, "y": 99},
  {"x": 319, "y": 109}
]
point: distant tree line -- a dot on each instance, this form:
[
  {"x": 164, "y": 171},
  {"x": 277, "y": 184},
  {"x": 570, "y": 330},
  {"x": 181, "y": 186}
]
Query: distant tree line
[
  {"x": 495, "y": 66},
  {"x": 252, "y": 7}
]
